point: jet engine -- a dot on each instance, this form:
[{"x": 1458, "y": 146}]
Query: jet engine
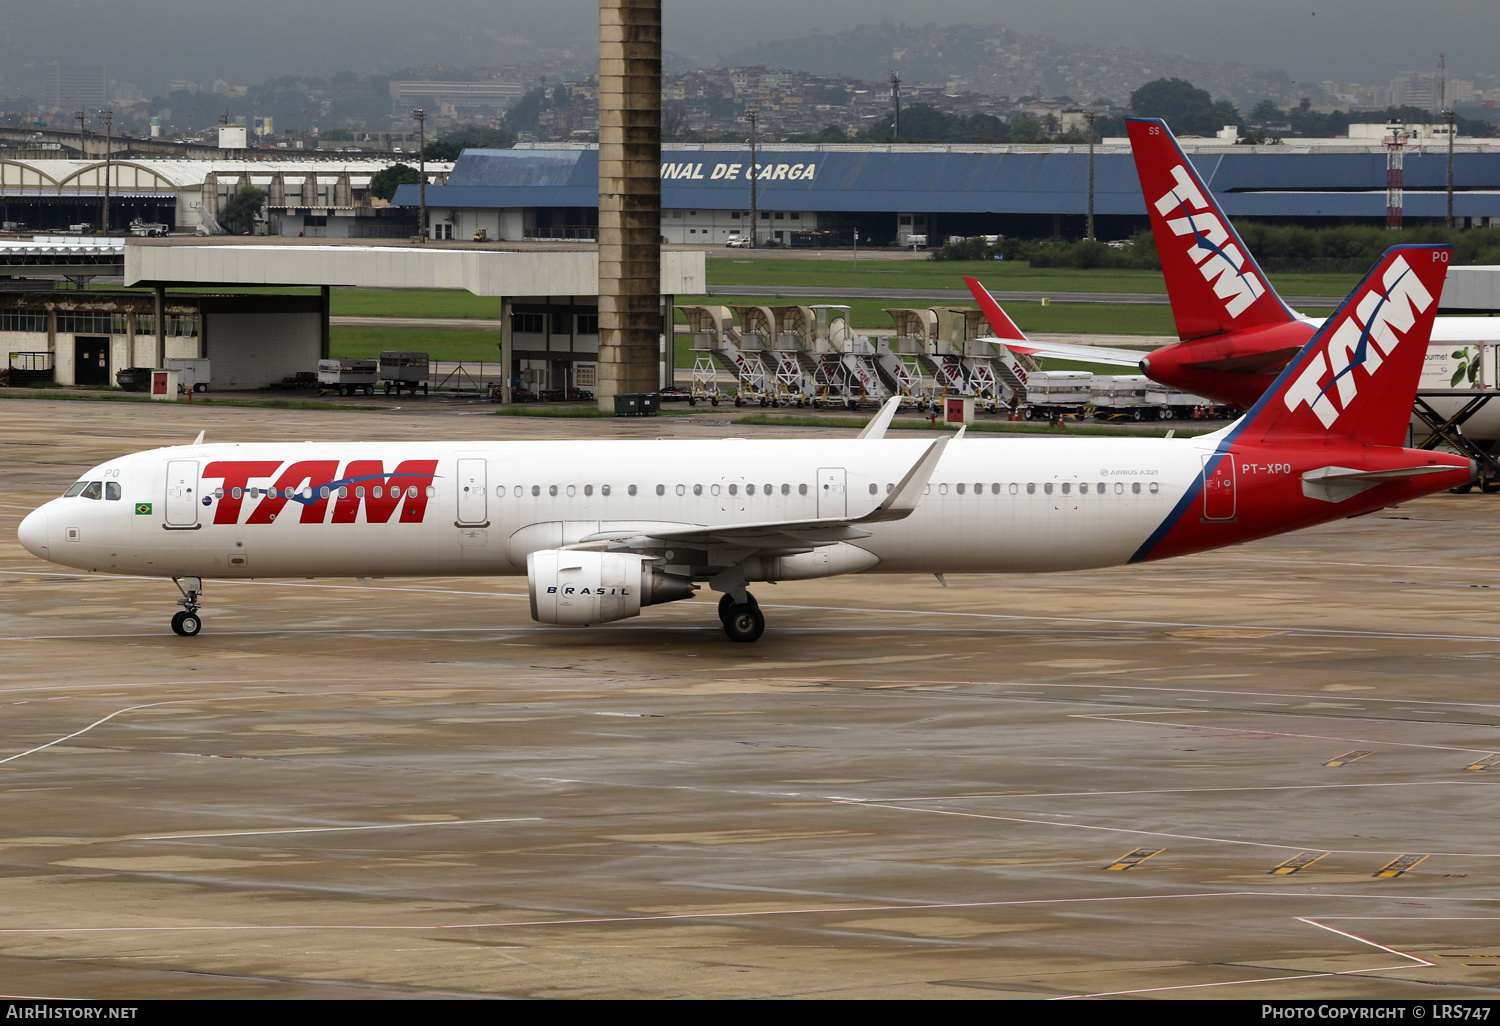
[{"x": 582, "y": 588}]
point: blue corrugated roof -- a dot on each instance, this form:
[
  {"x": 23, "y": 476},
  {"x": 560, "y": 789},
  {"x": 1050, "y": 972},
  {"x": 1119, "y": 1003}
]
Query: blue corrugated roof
[{"x": 1248, "y": 184}]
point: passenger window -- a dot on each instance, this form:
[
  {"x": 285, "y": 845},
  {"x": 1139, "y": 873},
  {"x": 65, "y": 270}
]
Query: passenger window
[
  {"x": 572, "y": 491},
  {"x": 93, "y": 490},
  {"x": 72, "y": 492},
  {"x": 1014, "y": 488},
  {"x": 1135, "y": 487},
  {"x": 218, "y": 493},
  {"x": 959, "y": 487},
  {"x": 536, "y": 490},
  {"x": 411, "y": 493},
  {"x": 604, "y": 489},
  {"x": 889, "y": 488},
  {"x": 802, "y": 489},
  {"x": 323, "y": 492},
  {"x": 588, "y": 490},
  {"x": 682, "y": 489},
  {"x": 661, "y": 489},
  {"x": 697, "y": 489},
  {"x": 500, "y": 491},
  {"x": 112, "y": 490},
  {"x": 1030, "y": 487},
  {"x": 552, "y": 490},
  {"x": 874, "y": 488},
  {"x": 631, "y": 490},
  {"x": 749, "y": 489},
  {"x": 431, "y": 491},
  {"x": 786, "y": 489},
  {"x": 734, "y": 489},
  {"x": 1155, "y": 487},
  {"x": 1067, "y": 487},
  {"x": 713, "y": 489},
  {"x": 1047, "y": 487},
  {"x": 374, "y": 492},
  {"x": 1119, "y": 488},
  {"x": 768, "y": 489}
]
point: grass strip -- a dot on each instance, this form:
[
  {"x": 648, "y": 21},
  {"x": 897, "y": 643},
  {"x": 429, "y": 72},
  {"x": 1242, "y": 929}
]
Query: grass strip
[{"x": 995, "y": 427}]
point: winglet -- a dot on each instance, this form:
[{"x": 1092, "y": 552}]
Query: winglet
[
  {"x": 882, "y": 420},
  {"x": 902, "y": 501},
  {"x": 1000, "y": 322},
  {"x": 199, "y": 439}
]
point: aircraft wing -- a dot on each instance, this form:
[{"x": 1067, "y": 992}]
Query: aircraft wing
[
  {"x": 780, "y": 535},
  {"x": 1069, "y": 351}
]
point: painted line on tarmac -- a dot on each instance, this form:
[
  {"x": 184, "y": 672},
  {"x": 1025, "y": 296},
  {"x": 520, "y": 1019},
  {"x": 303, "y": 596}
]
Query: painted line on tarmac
[
  {"x": 1150, "y": 833},
  {"x": 1284, "y": 733},
  {"x": 1299, "y": 631},
  {"x": 1117, "y": 685},
  {"x": 673, "y": 917},
  {"x": 133, "y": 708},
  {"x": 1149, "y": 790},
  {"x": 331, "y": 830}
]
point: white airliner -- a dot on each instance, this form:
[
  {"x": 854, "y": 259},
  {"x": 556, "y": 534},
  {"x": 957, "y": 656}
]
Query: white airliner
[{"x": 604, "y": 528}]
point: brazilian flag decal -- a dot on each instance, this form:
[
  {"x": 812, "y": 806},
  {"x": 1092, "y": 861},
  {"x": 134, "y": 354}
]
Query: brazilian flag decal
[{"x": 143, "y": 509}]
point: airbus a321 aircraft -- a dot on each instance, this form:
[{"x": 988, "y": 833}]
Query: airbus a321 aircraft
[{"x": 603, "y": 528}]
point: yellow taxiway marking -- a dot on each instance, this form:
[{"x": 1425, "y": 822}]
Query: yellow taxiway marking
[
  {"x": 1301, "y": 860},
  {"x": 1396, "y": 867},
  {"x": 1347, "y": 757},
  {"x": 1134, "y": 858},
  {"x": 1485, "y": 763}
]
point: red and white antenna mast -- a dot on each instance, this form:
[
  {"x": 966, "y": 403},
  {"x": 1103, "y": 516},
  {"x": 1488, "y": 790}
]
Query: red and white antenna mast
[{"x": 1395, "y": 153}]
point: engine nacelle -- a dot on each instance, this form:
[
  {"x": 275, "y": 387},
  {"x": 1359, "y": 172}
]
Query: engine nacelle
[{"x": 582, "y": 588}]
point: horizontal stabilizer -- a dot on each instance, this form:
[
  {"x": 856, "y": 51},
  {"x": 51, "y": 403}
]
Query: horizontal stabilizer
[
  {"x": 1335, "y": 484},
  {"x": 1077, "y": 353}
]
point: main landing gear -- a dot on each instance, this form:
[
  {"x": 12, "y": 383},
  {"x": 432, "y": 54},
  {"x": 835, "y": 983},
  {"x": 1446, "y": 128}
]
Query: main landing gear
[
  {"x": 743, "y": 621},
  {"x": 188, "y": 623}
]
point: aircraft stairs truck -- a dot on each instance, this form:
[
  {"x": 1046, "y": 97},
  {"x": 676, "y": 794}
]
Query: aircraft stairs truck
[
  {"x": 847, "y": 371},
  {"x": 714, "y": 336}
]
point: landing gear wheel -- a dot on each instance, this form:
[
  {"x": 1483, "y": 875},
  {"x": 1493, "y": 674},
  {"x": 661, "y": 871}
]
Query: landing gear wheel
[
  {"x": 726, "y": 603},
  {"x": 1463, "y": 489},
  {"x": 744, "y": 623},
  {"x": 187, "y": 624}
]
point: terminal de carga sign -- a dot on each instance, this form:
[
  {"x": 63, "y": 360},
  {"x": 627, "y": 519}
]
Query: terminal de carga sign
[{"x": 739, "y": 172}]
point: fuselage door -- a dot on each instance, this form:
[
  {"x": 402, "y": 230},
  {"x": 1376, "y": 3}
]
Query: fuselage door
[
  {"x": 471, "y": 489},
  {"x": 182, "y": 493},
  {"x": 833, "y": 495},
  {"x": 1219, "y": 499}
]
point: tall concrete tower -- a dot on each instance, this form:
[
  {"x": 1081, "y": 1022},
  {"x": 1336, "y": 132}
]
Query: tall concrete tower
[{"x": 630, "y": 314}]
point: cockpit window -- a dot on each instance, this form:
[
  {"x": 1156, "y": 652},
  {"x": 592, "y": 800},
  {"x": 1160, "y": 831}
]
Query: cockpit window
[
  {"x": 78, "y": 486},
  {"x": 112, "y": 491},
  {"x": 93, "y": 490}
]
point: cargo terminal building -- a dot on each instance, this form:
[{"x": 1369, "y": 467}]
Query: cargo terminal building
[{"x": 819, "y": 195}]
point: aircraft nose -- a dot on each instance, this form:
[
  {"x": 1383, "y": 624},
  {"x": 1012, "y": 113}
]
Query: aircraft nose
[{"x": 32, "y": 533}]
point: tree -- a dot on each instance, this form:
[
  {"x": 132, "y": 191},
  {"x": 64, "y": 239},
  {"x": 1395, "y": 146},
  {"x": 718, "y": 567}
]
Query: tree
[
  {"x": 1187, "y": 109},
  {"x": 383, "y": 183},
  {"x": 238, "y": 215}
]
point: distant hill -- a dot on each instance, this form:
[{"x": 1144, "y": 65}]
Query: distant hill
[{"x": 996, "y": 60}]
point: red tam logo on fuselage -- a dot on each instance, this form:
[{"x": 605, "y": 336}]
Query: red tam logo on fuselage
[{"x": 316, "y": 484}]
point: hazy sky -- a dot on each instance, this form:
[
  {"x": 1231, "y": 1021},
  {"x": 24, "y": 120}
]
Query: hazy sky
[{"x": 153, "y": 40}]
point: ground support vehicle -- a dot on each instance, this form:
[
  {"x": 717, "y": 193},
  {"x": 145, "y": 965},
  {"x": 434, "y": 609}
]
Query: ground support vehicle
[
  {"x": 1051, "y": 395},
  {"x": 346, "y": 377},
  {"x": 192, "y": 373},
  {"x": 408, "y": 370}
]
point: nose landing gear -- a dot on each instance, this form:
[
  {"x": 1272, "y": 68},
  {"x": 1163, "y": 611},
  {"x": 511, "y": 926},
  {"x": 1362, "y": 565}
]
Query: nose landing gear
[{"x": 188, "y": 623}]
